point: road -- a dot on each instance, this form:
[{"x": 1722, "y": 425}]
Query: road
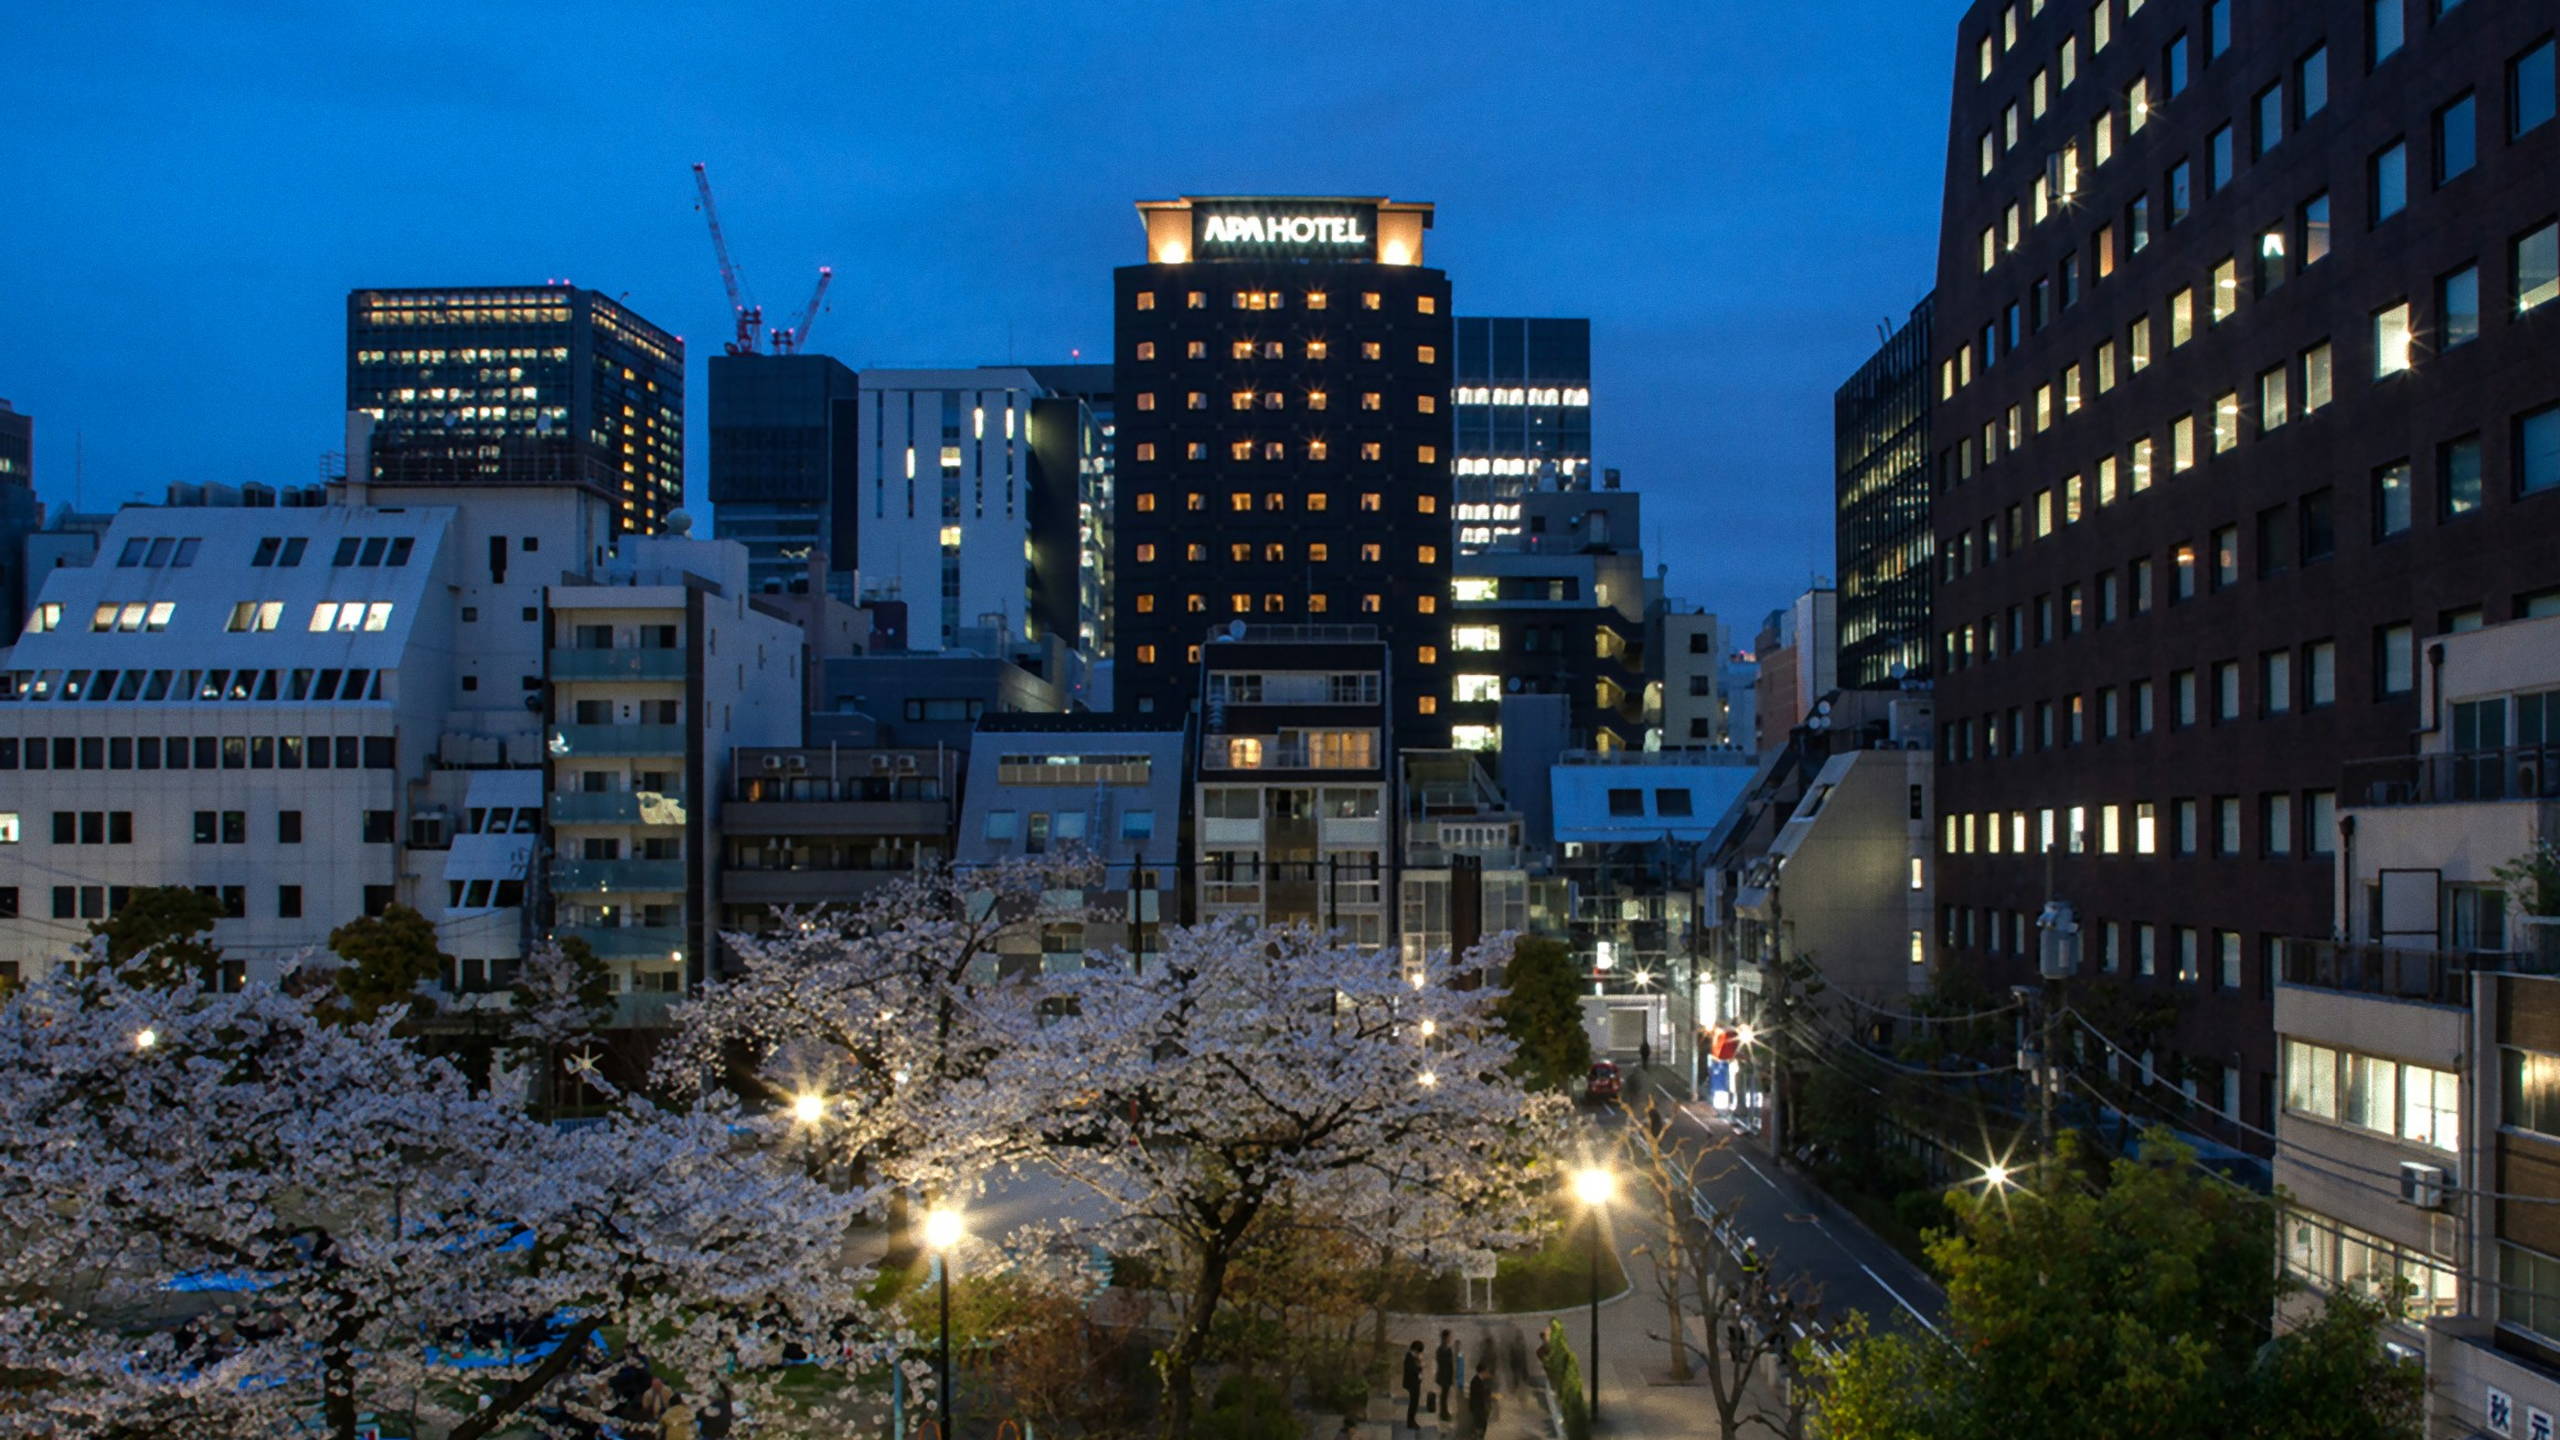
[{"x": 1801, "y": 1231}]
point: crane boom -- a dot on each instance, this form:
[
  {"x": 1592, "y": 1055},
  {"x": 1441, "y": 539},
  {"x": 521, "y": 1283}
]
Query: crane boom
[
  {"x": 749, "y": 315},
  {"x": 788, "y": 342}
]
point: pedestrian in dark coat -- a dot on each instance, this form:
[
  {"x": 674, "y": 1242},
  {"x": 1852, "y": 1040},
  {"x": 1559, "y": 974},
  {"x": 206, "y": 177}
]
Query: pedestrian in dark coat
[
  {"x": 1479, "y": 1403},
  {"x": 1444, "y": 1371},
  {"x": 1413, "y": 1387}
]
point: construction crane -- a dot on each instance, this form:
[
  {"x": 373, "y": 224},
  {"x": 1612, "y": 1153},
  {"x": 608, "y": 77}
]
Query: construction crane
[{"x": 751, "y": 335}]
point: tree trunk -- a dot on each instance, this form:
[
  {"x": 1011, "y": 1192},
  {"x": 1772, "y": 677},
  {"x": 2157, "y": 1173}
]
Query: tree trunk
[
  {"x": 1182, "y": 1362},
  {"x": 1679, "y": 1332}
]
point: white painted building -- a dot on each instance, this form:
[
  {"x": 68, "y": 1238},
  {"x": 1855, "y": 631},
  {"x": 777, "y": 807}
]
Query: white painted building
[
  {"x": 316, "y": 712},
  {"x": 969, "y": 504}
]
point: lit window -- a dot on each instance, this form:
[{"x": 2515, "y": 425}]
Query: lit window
[
  {"x": 1146, "y": 604},
  {"x": 1146, "y": 299},
  {"x": 1147, "y": 351},
  {"x": 1426, "y": 604},
  {"x": 1315, "y": 399},
  {"x": 1196, "y": 300},
  {"x": 1475, "y": 637},
  {"x": 1368, "y": 299},
  {"x": 2182, "y": 318},
  {"x": 1316, "y": 450},
  {"x": 1146, "y": 654},
  {"x": 1315, "y": 299},
  {"x": 1426, "y": 404},
  {"x": 2537, "y": 266},
  {"x": 1369, "y": 350},
  {"x": 2391, "y": 340},
  {"x": 2226, "y": 289},
  {"x": 1370, "y": 501},
  {"x": 1369, "y": 605},
  {"x": 1426, "y": 454},
  {"x": 1426, "y": 304},
  {"x": 1146, "y": 450},
  {"x": 1240, "y": 502},
  {"x": 1373, "y": 552},
  {"x": 2226, "y": 422},
  {"x": 1426, "y": 354},
  {"x": 1146, "y": 502},
  {"x": 1427, "y": 554}
]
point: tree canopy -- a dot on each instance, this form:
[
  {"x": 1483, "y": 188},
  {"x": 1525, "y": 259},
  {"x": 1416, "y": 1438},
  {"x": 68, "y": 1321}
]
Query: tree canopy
[
  {"x": 1541, "y": 1011},
  {"x": 2133, "y": 1302}
]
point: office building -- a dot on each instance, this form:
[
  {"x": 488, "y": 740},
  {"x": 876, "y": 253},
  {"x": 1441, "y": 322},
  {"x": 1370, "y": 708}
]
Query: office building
[
  {"x": 1556, "y": 609},
  {"x": 1293, "y": 797},
  {"x": 1522, "y": 411},
  {"x": 809, "y": 828},
  {"x": 1880, "y": 425},
  {"x": 1095, "y": 387},
  {"x": 783, "y": 461},
  {"x": 1284, "y": 372},
  {"x": 518, "y": 385},
  {"x": 971, "y": 484},
  {"x": 1105, "y": 790},
  {"x": 300, "y": 711},
  {"x": 1688, "y": 645},
  {"x": 2243, "y": 396}
]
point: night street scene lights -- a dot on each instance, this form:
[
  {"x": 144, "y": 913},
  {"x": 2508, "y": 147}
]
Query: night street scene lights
[{"x": 1595, "y": 1187}]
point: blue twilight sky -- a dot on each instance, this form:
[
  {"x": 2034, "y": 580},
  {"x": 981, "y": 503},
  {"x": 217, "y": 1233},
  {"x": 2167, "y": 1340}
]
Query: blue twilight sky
[{"x": 1735, "y": 191}]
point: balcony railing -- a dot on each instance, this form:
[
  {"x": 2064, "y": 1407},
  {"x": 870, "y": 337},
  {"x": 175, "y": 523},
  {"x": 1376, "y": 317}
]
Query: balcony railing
[
  {"x": 630, "y": 942},
  {"x": 635, "y": 664},
  {"x": 602, "y": 740},
  {"x": 2456, "y": 777},
  {"x": 608, "y": 877},
  {"x": 617, "y": 807},
  {"x": 2437, "y": 977}
]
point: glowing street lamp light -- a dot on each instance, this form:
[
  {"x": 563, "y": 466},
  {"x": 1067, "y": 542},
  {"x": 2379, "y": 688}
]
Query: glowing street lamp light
[
  {"x": 1996, "y": 1175},
  {"x": 1427, "y": 1079},
  {"x": 145, "y": 1038},
  {"x": 808, "y": 1107},
  {"x": 1594, "y": 1186},
  {"x": 943, "y": 1231}
]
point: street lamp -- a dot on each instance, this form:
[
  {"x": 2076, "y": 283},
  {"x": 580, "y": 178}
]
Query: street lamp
[
  {"x": 1594, "y": 1187},
  {"x": 943, "y": 1232},
  {"x": 145, "y": 1038},
  {"x": 808, "y": 1107}
]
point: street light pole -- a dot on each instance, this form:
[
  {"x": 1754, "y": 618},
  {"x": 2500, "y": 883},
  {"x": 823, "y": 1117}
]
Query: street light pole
[
  {"x": 942, "y": 1233},
  {"x": 1594, "y": 1186}
]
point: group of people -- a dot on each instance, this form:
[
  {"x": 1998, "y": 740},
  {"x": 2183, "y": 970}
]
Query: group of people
[
  {"x": 1451, "y": 1377},
  {"x": 643, "y": 1406}
]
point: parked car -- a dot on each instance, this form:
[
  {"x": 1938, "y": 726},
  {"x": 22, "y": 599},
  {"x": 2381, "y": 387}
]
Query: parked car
[{"x": 1604, "y": 1083}]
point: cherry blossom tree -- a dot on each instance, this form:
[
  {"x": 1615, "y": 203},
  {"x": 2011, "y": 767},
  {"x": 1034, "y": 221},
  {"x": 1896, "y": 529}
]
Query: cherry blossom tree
[
  {"x": 873, "y": 1016},
  {"x": 248, "y": 1213},
  {"x": 1249, "y": 1073}
]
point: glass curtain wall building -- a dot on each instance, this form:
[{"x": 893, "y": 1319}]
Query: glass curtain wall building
[{"x": 1881, "y": 428}]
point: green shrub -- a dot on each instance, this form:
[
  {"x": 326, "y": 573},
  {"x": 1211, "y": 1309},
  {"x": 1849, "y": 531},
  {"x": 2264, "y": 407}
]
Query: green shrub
[{"x": 1248, "y": 1407}]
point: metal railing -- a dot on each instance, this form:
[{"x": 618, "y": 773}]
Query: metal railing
[
  {"x": 2454, "y": 777},
  {"x": 568, "y": 740},
  {"x": 604, "y": 877},
  {"x": 617, "y": 807},
  {"x": 2435, "y": 977}
]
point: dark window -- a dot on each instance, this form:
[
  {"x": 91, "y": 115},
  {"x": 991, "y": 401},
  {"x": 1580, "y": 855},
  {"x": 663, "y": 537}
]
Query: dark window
[
  {"x": 289, "y": 902},
  {"x": 378, "y": 898},
  {"x": 119, "y": 827},
  {"x": 8, "y": 902},
  {"x": 2537, "y": 451},
  {"x": 1671, "y": 802},
  {"x": 66, "y": 903},
  {"x": 2533, "y": 89},
  {"x": 378, "y": 752},
  {"x": 288, "y": 827},
  {"x": 235, "y": 827},
  {"x": 2319, "y": 526},
  {"x": 66, "y": 827},
  {"x": 377, "y": 827},
  {"x": 1626, "y": 802},
  {"x": 348, "y": 549},
  {"x": 2458, "y": 474}
]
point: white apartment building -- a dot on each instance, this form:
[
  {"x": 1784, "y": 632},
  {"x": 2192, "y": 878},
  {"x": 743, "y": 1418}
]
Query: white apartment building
[{"x": 661, "y": 666}]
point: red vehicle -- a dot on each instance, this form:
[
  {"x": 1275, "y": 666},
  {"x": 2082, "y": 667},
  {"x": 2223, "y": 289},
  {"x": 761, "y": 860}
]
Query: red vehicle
[{"x": 1604, "y": 1083}]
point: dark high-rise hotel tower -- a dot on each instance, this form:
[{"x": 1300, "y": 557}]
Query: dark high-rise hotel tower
[
  {"x": 1283, "y": 441},
  {"x": 520, "y": 385}
]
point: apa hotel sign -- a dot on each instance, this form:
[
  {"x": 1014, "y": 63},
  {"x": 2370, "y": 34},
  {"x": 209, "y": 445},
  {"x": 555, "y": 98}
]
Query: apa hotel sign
[{"x": 1280, "y": 227}]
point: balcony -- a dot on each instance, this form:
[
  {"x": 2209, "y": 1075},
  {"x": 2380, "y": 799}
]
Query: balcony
[
  {"x": 2434, "y": 977},
  {"x": 616, "y": 740},
  {"x": 838, "y": 817},
  {"x": 609, "y": 877},
  {"x": 634, "y": 664},
  {"x": 2455, "y": 777},
  {"x": 617, "y": 807},
  {"x": 629, "y": 942}
]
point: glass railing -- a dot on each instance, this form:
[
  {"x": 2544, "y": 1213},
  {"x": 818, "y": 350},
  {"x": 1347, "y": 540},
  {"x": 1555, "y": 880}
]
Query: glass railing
[
  {"x": 640, "y": 664},
  {"x": 2455, "y": 777},
  {"x": 571, "y": 740},
  {"x": 603, "y": 877},
  {"x": 617, "y": 807},
  {"x": 629, "y": 942}
]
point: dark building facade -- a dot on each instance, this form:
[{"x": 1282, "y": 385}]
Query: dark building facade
[
  {"x": 1880, "y": 427},
  {"x": 783, "y": 461},
  {"x": 1556, "y": 609},
  {"x": 2247, "y": 384},
  {"x": 20, "y": 514},
  {"x": 1522, "y": 408},
  {"x": 1282, "y": 442},
  {"x": 520, "y": 385}
]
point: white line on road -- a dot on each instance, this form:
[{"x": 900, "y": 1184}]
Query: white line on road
[
  {"x": 1897, "y": 1299},
  {"x": 1754, "y": 1169}
]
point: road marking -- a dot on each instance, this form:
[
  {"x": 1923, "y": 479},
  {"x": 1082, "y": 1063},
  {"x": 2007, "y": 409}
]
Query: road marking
[
  {"x": 1897, "y": 1299},
  {"x": 1754, "y": 1169}
]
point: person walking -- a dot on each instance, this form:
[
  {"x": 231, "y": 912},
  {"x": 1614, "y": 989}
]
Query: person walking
[
  {"x": 1479, "y": 1404},
  {"x": 1644, "y": 1054},
  {"x": 1413, "y": 1388},
  {"x": 1444, "y": 1372}
]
